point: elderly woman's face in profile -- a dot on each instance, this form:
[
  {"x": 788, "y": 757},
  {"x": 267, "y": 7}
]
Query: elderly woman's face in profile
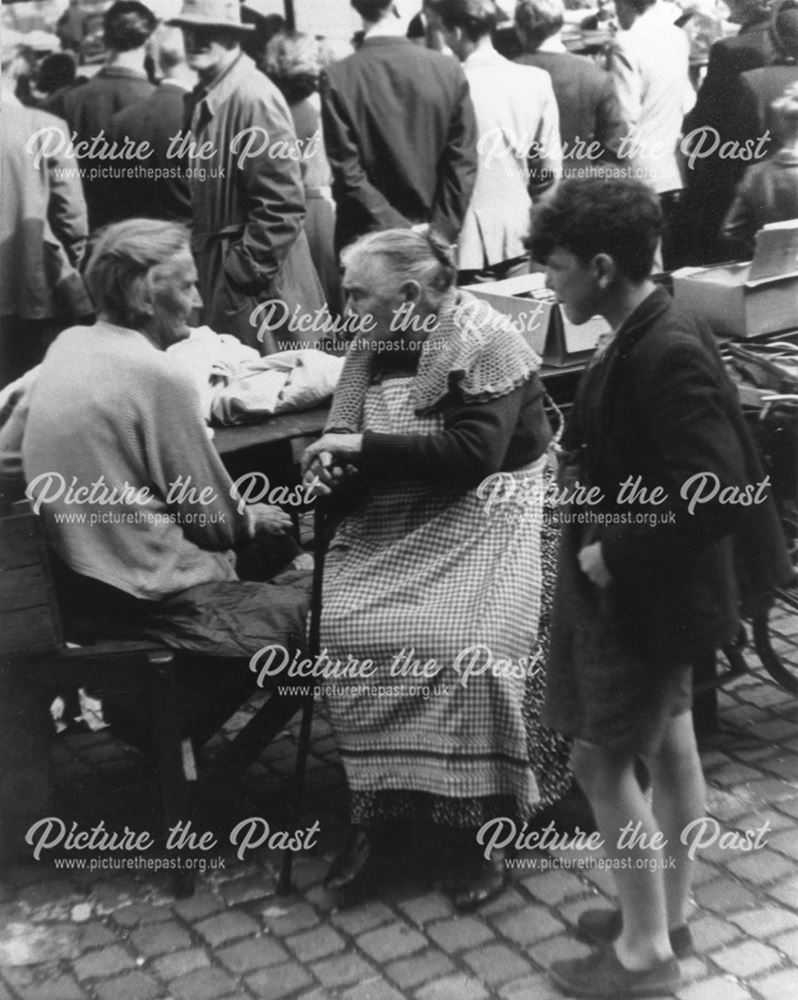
[
  {"x": 174, "y": 298},
  {"x": 373, "y": 294}
]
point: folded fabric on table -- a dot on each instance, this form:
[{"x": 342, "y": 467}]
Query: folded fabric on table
[
  {"x": 213, "y": 359},
  {"x": 278, "y": 383}
]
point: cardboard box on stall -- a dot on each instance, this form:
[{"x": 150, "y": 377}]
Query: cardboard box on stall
[
  {"x": 748, "y": 299},
  {"x": 540, "y": 319}
]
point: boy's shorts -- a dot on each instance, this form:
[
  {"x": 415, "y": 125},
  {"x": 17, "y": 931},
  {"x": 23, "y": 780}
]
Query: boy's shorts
[{"x": 630, "y": 715}]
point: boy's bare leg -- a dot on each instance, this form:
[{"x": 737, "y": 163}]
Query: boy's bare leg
[
  {"x": 679, "y": 798},
  {"x": 609, "y": 782}
]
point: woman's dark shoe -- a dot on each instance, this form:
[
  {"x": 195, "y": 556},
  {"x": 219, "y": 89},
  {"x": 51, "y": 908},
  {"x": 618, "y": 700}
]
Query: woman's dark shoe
[
  {"x": 351, "y": 873},
  {"x": 604, "y": 926},
  {"x": 479, "y": 881}
]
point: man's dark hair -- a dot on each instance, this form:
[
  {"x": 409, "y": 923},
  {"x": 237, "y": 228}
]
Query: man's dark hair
[
  {"x": 127, "y": 25},
  {"x": 537, "y": 20},
  {"x": 621, "y": 218},
  {"x": 640, "y": 6},
  {"x": 56, "y": 70},
  {"x": 477, "y": 18},
  {"x": 372, "y": 10}
]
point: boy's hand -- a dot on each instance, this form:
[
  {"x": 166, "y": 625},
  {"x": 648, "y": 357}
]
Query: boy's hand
[{"x": 591, "y": 562}]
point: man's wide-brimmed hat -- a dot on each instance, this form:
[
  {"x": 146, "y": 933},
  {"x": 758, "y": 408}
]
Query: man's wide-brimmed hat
[{"x": 211, "y": 14}]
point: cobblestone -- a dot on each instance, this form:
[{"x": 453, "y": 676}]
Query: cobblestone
[
  {"x": 342, "y": 970},
  {"x": 779, "y": 986},
  {"x": 746, "y": 958},
  {"x": 458, "y": 987},
  {"x": 253, "y": 953},
  {"x": 199, "y": 906},
  {"x": 525, "y": 926},
  {"x": 459, "y": 933},
  {"x": 716, "y": 988},
  {"x": 95, "y": 935},
  {"x": 785, "y": 892},
  {"x": 495, "y": 964},
  {"x": 141, "y": 913},
  {"x": 375, "y": 989},
  {"x": 709, "y": 932},
  {"x": 409, "y": 972},
  {"x": 133, "y": 986},
  {"x": 226, "y": 927},
  {"x": 278, "y": 981},
  {"x": 52, "y": 988},
  {"x": 556, "y": 948},
  {"x": 316, "y": 943},
  {"x": 765, "y": 921},
  {"x": 391, "y": 941},
  {"x": 105, "y": 962},
  {"x": 724, "y": 896},
  {"x": 763, "y": 867},
  {"x": 283, "y": 921},
  {"x": 788, "y": 943},
  {"x": 203, "y": 984},
  {"x": 554, "y": 887},
  {"x": 180, "y": 963},
  {"x": 423, "y": 909},
  {"x": 363, "y": 918},
  {"x": 157, "y": 939},
  {"x": 786, "y": 842},
  {"x": 246, "y": 890}
]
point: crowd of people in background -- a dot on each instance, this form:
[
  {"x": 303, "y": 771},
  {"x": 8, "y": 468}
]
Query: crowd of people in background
[{"x": 459, "y": 121}]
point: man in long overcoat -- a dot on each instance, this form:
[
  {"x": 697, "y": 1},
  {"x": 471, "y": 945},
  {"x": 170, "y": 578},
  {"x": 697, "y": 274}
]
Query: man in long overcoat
[{"x": 247, "y": 198}]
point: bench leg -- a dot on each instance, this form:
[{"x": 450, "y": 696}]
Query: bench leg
[
  {"x": 284, "y": 887},
  {"x": 705, "y": 701},
  {"x": 175, "y": 798}
]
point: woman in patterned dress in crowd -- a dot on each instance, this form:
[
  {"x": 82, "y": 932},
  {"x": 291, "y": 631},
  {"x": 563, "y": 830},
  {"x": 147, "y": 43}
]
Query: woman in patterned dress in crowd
[{"x": 438, "y": 435}]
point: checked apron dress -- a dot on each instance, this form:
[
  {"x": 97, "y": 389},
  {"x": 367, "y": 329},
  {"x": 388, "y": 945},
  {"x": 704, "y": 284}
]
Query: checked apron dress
[{"x": 421, "y": 573}]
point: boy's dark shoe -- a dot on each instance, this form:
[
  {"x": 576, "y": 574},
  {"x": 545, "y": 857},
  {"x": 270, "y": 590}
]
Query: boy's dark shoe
[
  {"x": 602, "y": 976},
  {"x": 604, "y": 927}
]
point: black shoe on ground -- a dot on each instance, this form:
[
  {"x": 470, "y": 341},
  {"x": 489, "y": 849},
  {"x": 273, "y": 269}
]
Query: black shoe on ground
[
  {"x": 351, "y": 873},
  {"x": 478, "y": 882}
]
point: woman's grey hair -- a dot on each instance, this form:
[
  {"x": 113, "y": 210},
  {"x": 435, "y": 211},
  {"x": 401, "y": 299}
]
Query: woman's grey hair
[
  {"x": 120, "y": 259},
  {"x": 423, "y": 257}
]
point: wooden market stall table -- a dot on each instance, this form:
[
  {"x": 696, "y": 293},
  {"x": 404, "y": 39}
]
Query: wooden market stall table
[{"x": 285, "y": 427}]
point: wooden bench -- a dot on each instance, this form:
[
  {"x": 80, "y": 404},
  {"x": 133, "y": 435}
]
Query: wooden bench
[{"x": 36, "y": 664}]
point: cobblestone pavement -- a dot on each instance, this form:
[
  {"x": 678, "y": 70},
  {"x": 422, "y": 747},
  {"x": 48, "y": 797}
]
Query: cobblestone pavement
[{"x": 70, "y": 935}]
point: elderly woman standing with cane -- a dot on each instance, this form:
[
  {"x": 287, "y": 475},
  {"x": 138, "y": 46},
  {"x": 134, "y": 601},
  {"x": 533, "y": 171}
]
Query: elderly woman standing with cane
[{"x": 430, "y": 583}]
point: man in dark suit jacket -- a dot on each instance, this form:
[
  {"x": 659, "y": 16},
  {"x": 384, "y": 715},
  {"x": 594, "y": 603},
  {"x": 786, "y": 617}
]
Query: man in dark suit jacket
[
  {"x": 157, "y": 120},
  {"x": 400, "y": 132},
  {"x": 759, "y": 88},
  {"x": 712, "y": 181},
  {"x": 590, "y": 113},
  {"x": 122, "y": 81}
]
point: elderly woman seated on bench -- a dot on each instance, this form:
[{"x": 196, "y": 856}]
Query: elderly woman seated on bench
[{"x": 144, "y": 521}]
